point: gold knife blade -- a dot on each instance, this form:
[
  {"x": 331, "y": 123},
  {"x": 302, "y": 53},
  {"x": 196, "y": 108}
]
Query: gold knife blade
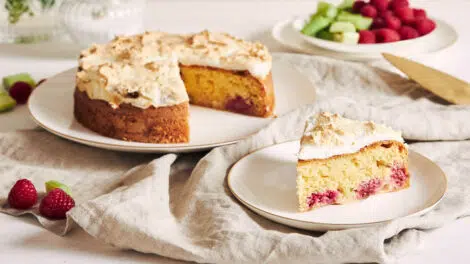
[{"x": 439, "y": 83}]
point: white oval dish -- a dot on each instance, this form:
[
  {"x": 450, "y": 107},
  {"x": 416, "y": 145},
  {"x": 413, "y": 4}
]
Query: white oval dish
[
  {"x": 264, "y": 181},
  {"x": 51, "y": 106},
  {"x": 284, "y": 33}
]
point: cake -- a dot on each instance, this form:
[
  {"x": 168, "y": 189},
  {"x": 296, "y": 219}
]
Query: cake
[
  {"x": 342, "y": 160},
  {"x": 138, "y": 88}
]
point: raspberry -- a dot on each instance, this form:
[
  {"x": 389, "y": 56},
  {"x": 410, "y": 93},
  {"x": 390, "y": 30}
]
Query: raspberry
[
  {"x": 369, "y": 11},
  {"x": 357, "y": 6},
  {"x": 328, "y": 197},
  {"x": 399, "y": 176},
  {"x": 380, "y": 5},
  {"x": 394, "y": 4},
  {"x": 20, "y": 91},
  {"x": 366, "y": 37},
  {"x": 56, "y": 204},
  {"x": 368, "y": 188},
  {"x": 378, "y": 23},
  {"x": 407, "y": 32},
  {"x": 239, "y": 105},
  {"x": 405, "y": 14},
  {"x": 424, "y": 26},
  {"x": 386, "y": 13},
  {"x": 393, "y": 22},
  {"x": 23, "y": 195},
  {"x": 385, "y": 35},
  {"x": 419, "y": 13}
]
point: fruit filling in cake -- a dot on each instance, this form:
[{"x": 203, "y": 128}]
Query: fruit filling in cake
[
  {"x": 342, "y": 160},
  {"x": 138, "y": 88}
]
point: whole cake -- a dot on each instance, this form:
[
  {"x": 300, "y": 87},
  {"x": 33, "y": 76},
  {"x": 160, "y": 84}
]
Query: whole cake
[
  {"x": 343, "y": 160},
  {"x": 138, "y": 88}
]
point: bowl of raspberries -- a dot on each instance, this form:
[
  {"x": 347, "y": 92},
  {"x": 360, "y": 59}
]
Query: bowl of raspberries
[{"x": 362, "y": 26}]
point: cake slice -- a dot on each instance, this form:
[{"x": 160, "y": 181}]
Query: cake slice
[
  {"x": 227, "y": 73},
  {"x": 343, "y": 160}
]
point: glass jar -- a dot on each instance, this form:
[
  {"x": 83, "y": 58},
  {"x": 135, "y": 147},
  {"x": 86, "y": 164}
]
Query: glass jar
[
  {"x": 29, "y": 21},
  {"x": 91, "y": 21}
]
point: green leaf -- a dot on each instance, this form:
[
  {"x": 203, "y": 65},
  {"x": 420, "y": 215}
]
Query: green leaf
[
  {"x": 16, "y": 8},
  {"x": 46, "y": 4}
]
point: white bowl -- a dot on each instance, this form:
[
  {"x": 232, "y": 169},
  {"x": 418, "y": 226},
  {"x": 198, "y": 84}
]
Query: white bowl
[{"x": 410, "y": 45}]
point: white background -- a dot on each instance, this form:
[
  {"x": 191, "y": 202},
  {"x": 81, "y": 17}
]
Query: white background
[{"x": 22, "y": 240}]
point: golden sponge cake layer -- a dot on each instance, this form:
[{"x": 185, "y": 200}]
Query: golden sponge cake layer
[
  {"x": 376, "y": 168},
  {"x": 235, "y": 91}
]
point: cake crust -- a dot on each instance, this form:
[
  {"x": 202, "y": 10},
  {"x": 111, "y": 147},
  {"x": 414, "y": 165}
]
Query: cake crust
[
  {"x": 400, "y": 145},
  {"x": 167, "y": 124}
]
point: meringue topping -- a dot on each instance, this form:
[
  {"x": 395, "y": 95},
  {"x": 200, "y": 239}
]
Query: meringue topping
[
  {"x": 147, "y": 65},
  {"x": 328, "y": 135}
]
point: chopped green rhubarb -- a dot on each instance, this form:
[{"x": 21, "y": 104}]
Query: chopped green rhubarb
[
  {"x": 341, "y": 27},
  {"x": 360, "y": 22},
  {"x": 346, "y": 37},
  {"x": 346, "y": 4},
  {"x": 6, "y": 102},
  {"x": 51, "y": 185},
  {"x": 8, "y": 81},
  {"x": 325, "y": 34},
  {"x": 326, "y": 9},
  {"x": 322, "y": 6},
  {"x": 316, "y": 24}
]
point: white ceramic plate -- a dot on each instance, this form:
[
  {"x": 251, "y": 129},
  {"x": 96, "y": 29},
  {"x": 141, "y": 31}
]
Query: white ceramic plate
[
  {"x": 284, "y": 33},
  {"x": 264, "y": 181},
  {"x": 51, "y": 106}
]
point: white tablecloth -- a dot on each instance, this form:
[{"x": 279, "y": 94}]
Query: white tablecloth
[{"x": 26, "y": 243}]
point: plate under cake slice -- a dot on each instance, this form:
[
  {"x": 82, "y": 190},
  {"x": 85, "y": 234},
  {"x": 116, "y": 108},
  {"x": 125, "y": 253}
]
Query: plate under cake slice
[{"x": 343, "y": 160}]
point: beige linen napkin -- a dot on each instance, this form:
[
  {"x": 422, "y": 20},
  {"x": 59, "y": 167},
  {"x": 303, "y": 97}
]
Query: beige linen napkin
[{"x": 170, "y": 206}]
